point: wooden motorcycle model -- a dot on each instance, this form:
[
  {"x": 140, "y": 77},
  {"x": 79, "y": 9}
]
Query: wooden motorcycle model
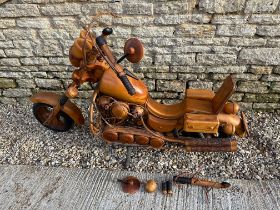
[{"x": 122, "y": 111}]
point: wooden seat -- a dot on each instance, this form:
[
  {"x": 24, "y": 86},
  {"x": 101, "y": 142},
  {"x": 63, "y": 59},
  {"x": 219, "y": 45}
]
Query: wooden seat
[
  {"x": 166, "y": 111},
  {"x": 204, "y": 104},
  {"x": 208, "y": 104},
  {"x": 200, "y": 94},
  {"x": 198, "y": 106}
]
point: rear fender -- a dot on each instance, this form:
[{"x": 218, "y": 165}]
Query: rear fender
[{"x": 53, "y": 99}]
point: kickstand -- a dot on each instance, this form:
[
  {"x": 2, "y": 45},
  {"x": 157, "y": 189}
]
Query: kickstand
[{"x": 128, "y": 157}]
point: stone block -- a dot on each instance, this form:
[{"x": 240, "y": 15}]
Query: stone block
[
  {"x": 266, "y": 106},
  {"x": 174, "y": 7},
  {"x": 16, "y": 34},
  {"x": 34, "y": 61},
  {"x": 276, "y": 70},
  {"x": 159, "y": 50},
  {"x": 201, "y": 85},
  {"x": 229, "y": 19},
  {"x": 26, "y": 44},
  {"x": 95, "y": 8},
  {"x": 275, "y": 87},
  {"x": 271, "y": 77},
  {"x": 249, "y": 97},
  {"x": 133, "y": 21},
  {"x": 183, "y": 59},
  {"x": 267, "y": 98},
  {"x": 67, "y": 23},
  {"x": 260, "y": 56},
  {"x": 18, "y": 68},
  {"x": 171, "y": 19},
  {"x": 158, "y": 75},
  {"x": 53, "y": 84},
  {"x": 211, "y": 41},
  {"x": 237, "y": 97},
  {"x": 171, "y": 85},
  {"x": 26, "y": 83},
  {"x": 216, "y": 59},
  {"x": 7, "y": 23},
  {"x": 6, "y": 44},
  {"x": 57, "y": 68},
  {"x": 151, "y": 84},
  {"x": 18, "y": 52},
  {"x": 138, "y": 9},
  {"x": 33, "y": 23},
  {"x": 196, "y": 30},
  {"x": 158, "y": 95},
  {"x": 200, "y": 18},
  {"x": 162, "y": 59},
  {"x": 8, "y": 74},
  {"x": 265, "y": 19},
  {"x": 253, "y": 87},
  {"x": 236, "y": 30},
  {"x": 61, "y": 9},
  {"x": 225, "y": 50},
  {"x": 250, "y": 42},
  {"x": 188, "y": 69},
  {"x": 17, "y": 92},
  {"x": 158, "y": 68},
  {"x": 176, "y": 19},
  {"x": 245, "y": 106},
  {"x": 261, "y": 69},
  {"x": 187, "y": 77},
  {"x": 19, "y": 10},
  {"x": 6, "y": 100},
  {"x": 2, "y": 54},
  {"x": 2, "y": 37},
  {"x": 190, "y": 49},
  {"x": 48, "y": 48},
  {"x": 7, "y": 83},
  {"x": 270, "y": 31},
  {"x": 9, "y": 62},
  {"x": 153, "y": 31},
  {"x": 221, "y": 6},
  {"x": 246, "y": 77},
  {"x": 54, "y": 34},
  {"x": 259, "y": 6},
  {"x": 59, "y": 61},
  {"x": 273, "y": 42}
]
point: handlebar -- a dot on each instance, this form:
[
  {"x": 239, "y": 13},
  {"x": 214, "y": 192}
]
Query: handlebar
[
  {"x": 101, "y": 42},
  {"x": 130, "y": 89}
]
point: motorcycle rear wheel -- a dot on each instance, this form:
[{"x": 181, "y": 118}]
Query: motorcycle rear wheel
[{"x": 61, "y": 123}]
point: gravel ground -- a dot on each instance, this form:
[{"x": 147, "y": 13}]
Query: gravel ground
[{"x": 24, "y": 141}]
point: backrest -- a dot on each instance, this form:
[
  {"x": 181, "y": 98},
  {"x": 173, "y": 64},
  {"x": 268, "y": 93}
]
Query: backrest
[{"x": 223, "y": 94}]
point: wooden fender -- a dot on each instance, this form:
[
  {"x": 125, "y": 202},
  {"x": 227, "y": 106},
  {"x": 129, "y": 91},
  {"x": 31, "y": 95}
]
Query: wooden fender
[{"x": 52, "y": 99}]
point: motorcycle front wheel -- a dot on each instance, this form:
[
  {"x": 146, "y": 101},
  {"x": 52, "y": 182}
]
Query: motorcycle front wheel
[{"x": 61, "y": 123}]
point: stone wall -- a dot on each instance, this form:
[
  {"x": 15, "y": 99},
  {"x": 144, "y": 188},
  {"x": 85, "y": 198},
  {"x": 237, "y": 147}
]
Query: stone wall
[{"x": 201, "y": 41}]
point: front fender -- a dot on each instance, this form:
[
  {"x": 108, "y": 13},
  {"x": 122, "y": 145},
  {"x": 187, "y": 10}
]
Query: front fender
[{"x": 69, "y": 108}]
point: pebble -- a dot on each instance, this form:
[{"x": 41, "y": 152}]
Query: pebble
[{"x": 24, "y": 141}]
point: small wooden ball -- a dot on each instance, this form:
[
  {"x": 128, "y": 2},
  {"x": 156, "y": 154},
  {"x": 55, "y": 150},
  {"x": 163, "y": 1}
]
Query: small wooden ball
[{"x": 151, "y": 186}]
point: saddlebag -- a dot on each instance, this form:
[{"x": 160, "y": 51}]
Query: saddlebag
[{"x": 202, "y": 123}]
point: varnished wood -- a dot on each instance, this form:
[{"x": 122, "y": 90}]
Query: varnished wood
[
  {"x": 201, "y": 123},
  {"x": 166, "y": 111},
  {"x": 198, "y": 106},
  {"x": 199, "y": 94},
  {"x": 134, "y": 50},
  {"x": 52, "y": 99},
  {"x": 161, "y": 125},
  {"x": 200, "y": 111},
  {"x": 111, "y": 85},
  {"x": 232, "y": 148},
  {"x": 223, "y": 94}
]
